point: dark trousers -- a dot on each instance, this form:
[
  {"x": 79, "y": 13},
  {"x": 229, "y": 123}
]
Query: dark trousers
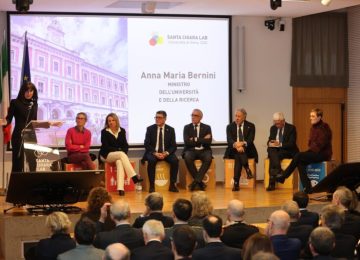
[
  {"x": 205, "y": 156},
  {"x": 301, "y": 160},
  {"x": 241, "y": 160},
  {"x": 83, "y": 159},
  {"x": 152, "y": 161},
  {"x": 275, "y": 155},
  {"x": 18, "y": 156}
]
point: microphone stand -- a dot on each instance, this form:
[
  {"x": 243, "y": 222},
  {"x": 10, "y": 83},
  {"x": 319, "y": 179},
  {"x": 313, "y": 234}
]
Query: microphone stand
[{"x": 22, "y": 132}]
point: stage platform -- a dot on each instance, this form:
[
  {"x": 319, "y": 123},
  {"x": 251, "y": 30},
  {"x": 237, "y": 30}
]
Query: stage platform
[{"x": 17, "y": 227}]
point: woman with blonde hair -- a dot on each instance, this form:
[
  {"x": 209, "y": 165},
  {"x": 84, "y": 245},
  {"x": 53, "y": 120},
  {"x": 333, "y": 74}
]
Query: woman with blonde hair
[
  {"x": 202, "y": 207},
  {"x": 114, "y": 148},
  {"x": 60, "y": 241}
]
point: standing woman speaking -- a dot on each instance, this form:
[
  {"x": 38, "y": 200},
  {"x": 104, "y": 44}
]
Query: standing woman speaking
[{"x": 23, "y": 109}]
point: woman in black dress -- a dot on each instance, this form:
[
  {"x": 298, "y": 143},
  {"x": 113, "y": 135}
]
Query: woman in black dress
[{"x": 23, "y": 109}]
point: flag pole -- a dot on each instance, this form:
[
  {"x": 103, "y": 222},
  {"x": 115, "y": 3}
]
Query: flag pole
[{"x": 3, "y": 189}]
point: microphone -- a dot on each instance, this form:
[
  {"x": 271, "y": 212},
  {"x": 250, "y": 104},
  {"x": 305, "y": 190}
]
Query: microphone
[{"x": 31, "y": 105}]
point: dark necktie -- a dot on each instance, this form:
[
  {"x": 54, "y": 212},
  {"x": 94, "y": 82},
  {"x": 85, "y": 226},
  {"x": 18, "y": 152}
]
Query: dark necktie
[
  {"x": 281, "y": 135},
  {"x": 160, "y": 149},
  {"x": 241, "y": 137},
  {"x": 195, "y": 131}
]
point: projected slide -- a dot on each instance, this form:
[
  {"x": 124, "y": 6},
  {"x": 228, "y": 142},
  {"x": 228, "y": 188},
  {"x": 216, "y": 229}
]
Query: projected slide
[{"x": 132, "y": 66}]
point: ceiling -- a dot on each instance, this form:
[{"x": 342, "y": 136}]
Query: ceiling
[{"x": 290, "y": 8}]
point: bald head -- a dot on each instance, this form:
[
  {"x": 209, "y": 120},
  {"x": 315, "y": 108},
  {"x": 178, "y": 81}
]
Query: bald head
[
  {"x": 279, "y": 222},
  {"x": 120, "y": 210},
  {"x": 117, "y": 251},
  {"x": 236, "y": 210}
]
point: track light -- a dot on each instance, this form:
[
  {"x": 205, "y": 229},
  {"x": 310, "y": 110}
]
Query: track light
[
  {"x": 325, "y": 2},
  {"x": 270, "y": 24},
  {"x": 281, "y": 25},
  {"x": 274, "y": 4},
  {"x": 22, "y": 5}
]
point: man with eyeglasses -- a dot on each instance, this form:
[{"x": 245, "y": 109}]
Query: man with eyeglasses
[
  {"x": 197, "y": 140},
  {"x": 160, "y": 145},
  {"x": 77, "y": 143}
]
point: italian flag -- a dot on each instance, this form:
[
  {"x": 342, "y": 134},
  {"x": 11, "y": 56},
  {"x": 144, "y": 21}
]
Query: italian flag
[{"x": 4, "y": 88}]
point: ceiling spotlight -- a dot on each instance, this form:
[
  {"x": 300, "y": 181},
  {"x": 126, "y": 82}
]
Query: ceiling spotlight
[
  {"x": 22, "y": 5},
  {"x": 274, "y": 4},
  {"x": 281, "y": 25},
  {"x": 325, "y": 2},
  {"x": 148, "y": 7},
  {"x": 270, "y": 24}
]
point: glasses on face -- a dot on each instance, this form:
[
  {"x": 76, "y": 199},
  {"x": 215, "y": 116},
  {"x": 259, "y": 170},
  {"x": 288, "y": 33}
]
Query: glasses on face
[
  {"x": 80, "y": 118},
  {"x": 158, "y": 117},
  {"x": 195, "y": 115}
]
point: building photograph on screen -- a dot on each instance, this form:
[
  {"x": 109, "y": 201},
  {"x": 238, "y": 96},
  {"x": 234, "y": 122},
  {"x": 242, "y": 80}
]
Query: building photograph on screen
[{"x": 129, "y": 65}]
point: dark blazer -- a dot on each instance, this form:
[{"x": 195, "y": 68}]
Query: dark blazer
[
  {"x": 50, "y": 248},
  {"x": 235, "y": 235},
  {"x": 125, "y": 234},
  {"x": 189, "y": 132},
  {"x": 299, "y": 231},
  {"x": 249, "y": 136},
  {"x": 167, "y": 221},
  {"x": 289, "y": 138},
  {"x": 151, "y": 138},
  {"x": 111, "y": 144},
  {"x": 197, "y": 230},
  {"x": 153, "y": 250},
  {"x": 216, "y": 251},
  {"x": 286, "y": 248},
  {"x": 351, "y": 225},
  {"x": 308, "y": 218}
]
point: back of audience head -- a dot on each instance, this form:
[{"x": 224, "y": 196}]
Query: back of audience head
[
  {"x": 182, "y": 209},
  {"x": 201, "y": 204},
  {"x": 278, "y": 223},
  {"x": 264, "y": 256},
  {"x": 153, "y": 230},
  {"x": 254, "y": 244},
  {"x": 301, "y": 198},
  {"x": 85, "y": 231},
  {"x": 154, "y": 201},
  {"x": 58, "y": 222},
  {"x": 96, "y": 199},
  {"x": 291, "y": 208},
  {"x": 235, "y": 210},
  {"x": 183, "y": 241},
  {"x": 120, "y": 210},
  {"x": 321, "y": 241},
  {"x": 343, "y": 197},
  {"x": 332, "y": 216},
  {"x": 212, "y": 225},
  {"x": 117, "y": 251}
]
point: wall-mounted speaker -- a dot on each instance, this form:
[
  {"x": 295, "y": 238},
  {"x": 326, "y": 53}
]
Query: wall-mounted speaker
[{"x": 22, "y": 5}]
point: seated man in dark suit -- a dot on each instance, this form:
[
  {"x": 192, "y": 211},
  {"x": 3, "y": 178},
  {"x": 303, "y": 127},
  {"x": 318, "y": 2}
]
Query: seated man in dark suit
[
  {"x": 236, "y": 230},
  {"x": 160, "y": 145},
  {"x": 197, "y": 141},
  {"x": 182, "y": 209},
  {"x": 321, "y": 243},
  {"x": 281, "y": 145},
  {"x": 284, "y": 247},
  {"x": 154, "y": 204},
  {"x": 240, "y": 136},
  {"x": 123, "y": 232},
  {"x": 183, "y": 242},
  {"x": 215, "y": 249},
  {"x": 306, "y": 217},
  {"x": 296, "y": 229},
  {"x": 153, "y": 231}
]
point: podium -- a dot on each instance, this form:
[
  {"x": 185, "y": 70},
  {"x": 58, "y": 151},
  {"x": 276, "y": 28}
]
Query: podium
[{"x": 40, "y": 144}]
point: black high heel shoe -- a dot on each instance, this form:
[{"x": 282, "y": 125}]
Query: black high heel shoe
[
  {"x": 248, "y": 173},
  {"x": 136, "y": 179}
]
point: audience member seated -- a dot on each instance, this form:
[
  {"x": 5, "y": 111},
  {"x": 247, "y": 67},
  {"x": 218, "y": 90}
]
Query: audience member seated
[
  {"x": 183, "y": 242},
  {"x": 84, "y": 236},
  {"x": 284, "y": 247},
  {"x": 236, "y": 231},
  {"x": 153, "y": 231},
  {"x": 60, "y": 241},
  {"x": 123, "y": 233},
  {"x": 214, "y": 248},
  {"x": 321, "y": 243},
  {"x": 343, "y": 197},
  {"x": 154, "y": 204},
  {"x": 306, "y": 217},
  {"x": 98, "y": 196},
  {"x": 264, "y": 256},
  {"x": 256, "y": 243},
  {"x": 182, "y": 209},
  {"x": 296, "y": 230},
  {"x": 197, "y": 146},
  {"x": 202, "y": 207},
  {"x": 117, "y": 251},
  {"x": 114, "y": 148},
  {"x": 77, "y": 143}
]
